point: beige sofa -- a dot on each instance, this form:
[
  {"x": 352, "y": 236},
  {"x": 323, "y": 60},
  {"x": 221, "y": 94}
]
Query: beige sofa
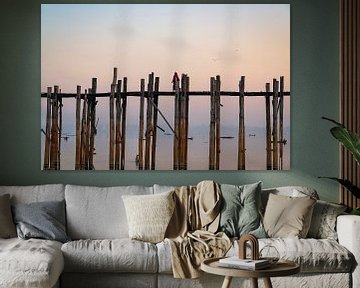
[{"x": 101, "y": 254}]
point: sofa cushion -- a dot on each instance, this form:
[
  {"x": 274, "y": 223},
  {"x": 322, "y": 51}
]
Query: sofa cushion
[
  {"x": 313, "y": 255},
  {"x": 36, "y": 193},
  {"x": 7, "y": 227},
  {"x": 149, "y": 215},
  {"x": 43, "y": 220},
  {"x": 291, "y": 191},
  {"x": 30, "y": 263},
  {"x": 323, "y": 222},
  {"x": 240, "y": 210},
  {"x": 164, "y": 257},
  {"x": 287, "y": 216},
  {"x": 117, "y": 255},
  {"x": 163, "y": 188},
  {"x": 98, "y": 213}
]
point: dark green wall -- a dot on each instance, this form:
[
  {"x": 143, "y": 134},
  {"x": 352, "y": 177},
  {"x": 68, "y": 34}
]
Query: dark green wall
[{"x": 314, "y": 86}]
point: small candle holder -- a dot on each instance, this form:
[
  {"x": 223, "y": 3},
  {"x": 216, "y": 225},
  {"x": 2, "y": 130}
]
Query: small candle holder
[{"x": 270, "y": 253}]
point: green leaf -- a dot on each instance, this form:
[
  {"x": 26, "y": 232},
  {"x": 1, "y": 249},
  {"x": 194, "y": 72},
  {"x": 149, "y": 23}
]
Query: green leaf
[
  {"x": 347, "y": 184},
  {"x": 333, "y": 121},
  {"x": 355, "y": 211},
  {"x": 349, "y": 139}
]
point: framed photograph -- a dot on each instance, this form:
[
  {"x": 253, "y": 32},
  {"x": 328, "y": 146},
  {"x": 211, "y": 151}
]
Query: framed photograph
[{"x": 165, "y": 86}]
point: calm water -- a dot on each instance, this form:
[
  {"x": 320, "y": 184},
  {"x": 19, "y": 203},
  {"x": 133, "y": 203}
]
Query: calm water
[{"x": 198, "y": 130}]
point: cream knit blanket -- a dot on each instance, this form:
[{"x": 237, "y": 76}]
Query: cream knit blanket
[{"x": 191, "y": 231}]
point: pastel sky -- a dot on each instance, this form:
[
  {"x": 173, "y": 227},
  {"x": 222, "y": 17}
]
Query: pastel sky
[{"x": 80, "y": 41}]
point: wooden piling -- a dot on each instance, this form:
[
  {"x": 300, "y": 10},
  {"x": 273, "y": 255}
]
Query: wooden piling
[
  {"x": 88, "y": 129},
  {"x": 176, "y": 125},
  {"x": 182, "y": 121},
  {"x": 78, "y": 129},
  {"x": 182, "y": 124},
  {"x": 123, "y": 124},
  {"x": 275, "y": 125},
  {"x": 268, "y": 127},
  {"x": 112, "y": 122},
  {"x": 54, "y": 146},
  {"x": 214, "y": 133},
  {"x": 241, "y": 137},
  {"x": 118, "y": 125},
  {"x": 60, "y": 106},
  {"x": 111, "y": 128},
  {"x": 217, "y": 122},
  {"x": 92, "y": 123},
  {"x": 84, "y": 137},
  {"x": 155, "y": 121},
  {"x": 281, "y": 122},
  {"x": 141, "y": 124},
  {"x": 187, "y": 99},
  {"x": 85, "y": 132},
  {"x": 46, "y": 165},
  {"x": 115, "y": 76},
  {"x": 149, "y": 126},
  {"x": 212, "y": 125}
]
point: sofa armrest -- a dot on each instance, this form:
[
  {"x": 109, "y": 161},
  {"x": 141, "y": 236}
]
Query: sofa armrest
[{"x": 348, "y": 230}]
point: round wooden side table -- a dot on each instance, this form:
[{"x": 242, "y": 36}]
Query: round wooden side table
[{"x": 281, "y": 268}]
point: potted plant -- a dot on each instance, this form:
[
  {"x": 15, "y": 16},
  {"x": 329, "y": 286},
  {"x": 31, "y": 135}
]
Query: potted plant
[{"x": 351, "y": 141}]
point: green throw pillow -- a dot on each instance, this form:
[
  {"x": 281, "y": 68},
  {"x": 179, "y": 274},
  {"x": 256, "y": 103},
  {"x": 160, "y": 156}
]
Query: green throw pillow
[{"x": 240, "y": 213}]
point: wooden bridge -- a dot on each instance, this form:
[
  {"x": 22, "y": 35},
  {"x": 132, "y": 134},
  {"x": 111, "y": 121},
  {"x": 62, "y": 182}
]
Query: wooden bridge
[{"x": 86, "y": 102}]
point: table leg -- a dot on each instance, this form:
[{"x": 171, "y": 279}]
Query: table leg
[
  {"x": 254, "y": 282},
  {"x": 267, "y": 283},
  {"x": 227, "y": 282}
]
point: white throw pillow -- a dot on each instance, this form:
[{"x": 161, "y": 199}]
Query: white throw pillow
[{"x": 149, "y": 215}]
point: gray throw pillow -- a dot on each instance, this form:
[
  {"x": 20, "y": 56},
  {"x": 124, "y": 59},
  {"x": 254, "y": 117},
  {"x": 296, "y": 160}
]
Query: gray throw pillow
[
  {"x": 323, "y": 222},
  {"x": 240, "y": 213},
  {"x": 7, "y": 227},
  {"x": 44, "y": 220}
]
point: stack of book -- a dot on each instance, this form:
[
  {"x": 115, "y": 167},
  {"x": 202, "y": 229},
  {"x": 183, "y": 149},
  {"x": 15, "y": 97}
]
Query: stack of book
[{"x": 248, "y": 264}]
